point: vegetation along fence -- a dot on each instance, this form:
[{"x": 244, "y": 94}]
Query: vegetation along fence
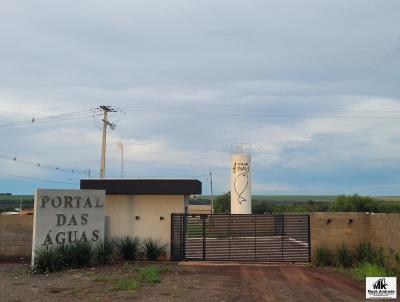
[{"x": 225, "y": 237}]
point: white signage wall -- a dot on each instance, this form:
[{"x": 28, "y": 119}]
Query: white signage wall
[
  {"x": 66, "y": 216},
  {"x": 240, "y": 184}
]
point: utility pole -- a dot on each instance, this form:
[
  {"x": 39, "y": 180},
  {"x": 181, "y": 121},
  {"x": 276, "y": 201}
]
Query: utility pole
[
  {"x": 121, "y": 145},
  {"x": 106, "y": 110},
  {"x": 212, "y": 194}
]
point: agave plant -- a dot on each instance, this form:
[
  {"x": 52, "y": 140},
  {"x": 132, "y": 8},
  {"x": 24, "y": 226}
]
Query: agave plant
[
  {"x": 47, "y": 260},
  {"x": 103, "y": 252},
  {"x": 81, "y": 253},
  {"x": 128, "y": 247},
  {"x": 153, "y": 248},
  {"x": 64, "y": 252}
]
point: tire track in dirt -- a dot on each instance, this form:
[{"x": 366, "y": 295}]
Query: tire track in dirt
[
  {"x": 256, "y": 285},
  {"x": 303, "y": 286}
]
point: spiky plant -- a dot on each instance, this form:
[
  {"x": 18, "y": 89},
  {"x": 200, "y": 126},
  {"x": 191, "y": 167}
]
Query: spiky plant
[
  {"x": 153, "y": 248},
  {"x": 103, "y": 252},
  {"x": 128, "y": 247},
  {"x": 81, "y": 253},
  {"x": 64, "y": 252},
  {"x": 47, "y": 260}
]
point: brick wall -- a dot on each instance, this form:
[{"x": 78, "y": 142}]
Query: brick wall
[
  {"x": 385, "y": 230},
  {"x": 381, "y": 230},
  {"x": 15, "y": 236},
  {"x": 378, "y": 229}
]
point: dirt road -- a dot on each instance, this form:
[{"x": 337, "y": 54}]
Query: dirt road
[{"x": 183, "y": 283}]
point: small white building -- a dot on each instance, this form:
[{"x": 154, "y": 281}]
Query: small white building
[{"x": 143, "y": 207}]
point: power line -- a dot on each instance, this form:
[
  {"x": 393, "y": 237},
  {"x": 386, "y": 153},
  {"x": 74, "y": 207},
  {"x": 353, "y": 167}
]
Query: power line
[
  {"x": 274, "y": 113},
  {"x": 40, "y": 165},
  {"x": 52, "y": 118},
  {"x": 38, "y": 179},
  {"x": 169, "y": 109}
]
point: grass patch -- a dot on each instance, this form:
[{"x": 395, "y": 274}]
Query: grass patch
[
  {"x": 366, "y": 269},
  {"x": 164, "y": 268},
  {"x": 76, "y": 291},
  {"x": 126, "y": 284},
  {"x": 129, "y": 267},
  {"x": 344, "y": 256},
  {"x": 323, "y": 256},
  {"x": 150, "y": 274}
]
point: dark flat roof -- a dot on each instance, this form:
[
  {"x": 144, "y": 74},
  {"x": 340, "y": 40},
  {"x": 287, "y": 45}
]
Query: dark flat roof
[{"x": 144, "y": 186}]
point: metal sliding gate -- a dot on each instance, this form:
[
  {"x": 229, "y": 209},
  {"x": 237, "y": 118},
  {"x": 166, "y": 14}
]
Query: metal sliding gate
[{"x": 266, "y": 238}]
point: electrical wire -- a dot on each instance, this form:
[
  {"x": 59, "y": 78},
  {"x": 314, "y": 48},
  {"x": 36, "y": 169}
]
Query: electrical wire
[
  {"x": 38, "y": 179},
  {"x": 39, "y": 165},
  {"x": 169, "y": 109},
  {"x": 53, "y": 118},
  {"x": 272, "y": 113}
]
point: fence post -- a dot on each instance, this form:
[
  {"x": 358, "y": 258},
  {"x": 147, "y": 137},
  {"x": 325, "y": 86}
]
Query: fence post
[
  {"x": 255, "y": 237},
  {"x": 172, "y": 238},
  {"x": 183, "y": 236},
  {"x": 309, "y": 240},
  {"x": 282, "y": 219},
  {"x": 229, "y": 236},
  {"x": 204, "y": 236}
]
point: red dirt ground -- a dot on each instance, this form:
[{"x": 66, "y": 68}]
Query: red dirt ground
[{"x": 233, "y": 282}]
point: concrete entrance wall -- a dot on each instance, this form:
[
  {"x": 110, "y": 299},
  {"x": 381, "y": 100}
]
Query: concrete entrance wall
[
  {"x": 381, "y": 230},
  {"x": 332, "y": 229},
  {"x": 15, "y": 236}
]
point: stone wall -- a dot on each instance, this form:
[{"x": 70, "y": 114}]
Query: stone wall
[
  {"x": 378, "y": 229},
  {"x": 15, "y": 236},
  {"x": 385, "y": 230},
  {"x": 334, "y": 229}
]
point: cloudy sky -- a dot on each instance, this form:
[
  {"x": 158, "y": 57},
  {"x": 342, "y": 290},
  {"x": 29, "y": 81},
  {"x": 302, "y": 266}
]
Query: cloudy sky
[{"x": 312, "y": 85}]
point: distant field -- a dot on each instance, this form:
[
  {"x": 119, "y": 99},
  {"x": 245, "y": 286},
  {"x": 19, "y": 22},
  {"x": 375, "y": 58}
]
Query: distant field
[
  {"x": 285, "y": 199},
  {"x": 27, "y": 200},
  {"x": 16, "y": 197},
  {"x": 13, "y": 201},
  {"x": 276, "y": 199},
  {"x": 387, "y": 198},
  {"x": 294, "y": 198}
]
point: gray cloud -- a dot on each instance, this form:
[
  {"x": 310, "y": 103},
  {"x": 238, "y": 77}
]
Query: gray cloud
[{"x": 194, "y": 77}]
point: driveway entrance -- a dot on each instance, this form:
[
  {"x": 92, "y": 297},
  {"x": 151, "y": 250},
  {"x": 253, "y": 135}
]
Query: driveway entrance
[{"x": 225, "y": 237}]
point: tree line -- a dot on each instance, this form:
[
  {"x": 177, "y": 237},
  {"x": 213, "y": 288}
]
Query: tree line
[{"x": 343, "y": 203}]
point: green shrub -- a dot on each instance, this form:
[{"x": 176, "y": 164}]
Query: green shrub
[
  {"x": 128, "y": 247},
  {"x": 397, "y": 259},
  {"x": 103, "y": 252},
  {"x": 153, "y": 249},
  {"x": 81, "y": 253},
  {"x": 380, "y": 258},
  {"x": 343, "y": 257},
  {"x": 364, "y": 252},
  {"x": 47, "y": 260},
  {"x": 64, "y": 251},
  {"x": 366, "y": 269},
  {"x": 323, "y": 257}
]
